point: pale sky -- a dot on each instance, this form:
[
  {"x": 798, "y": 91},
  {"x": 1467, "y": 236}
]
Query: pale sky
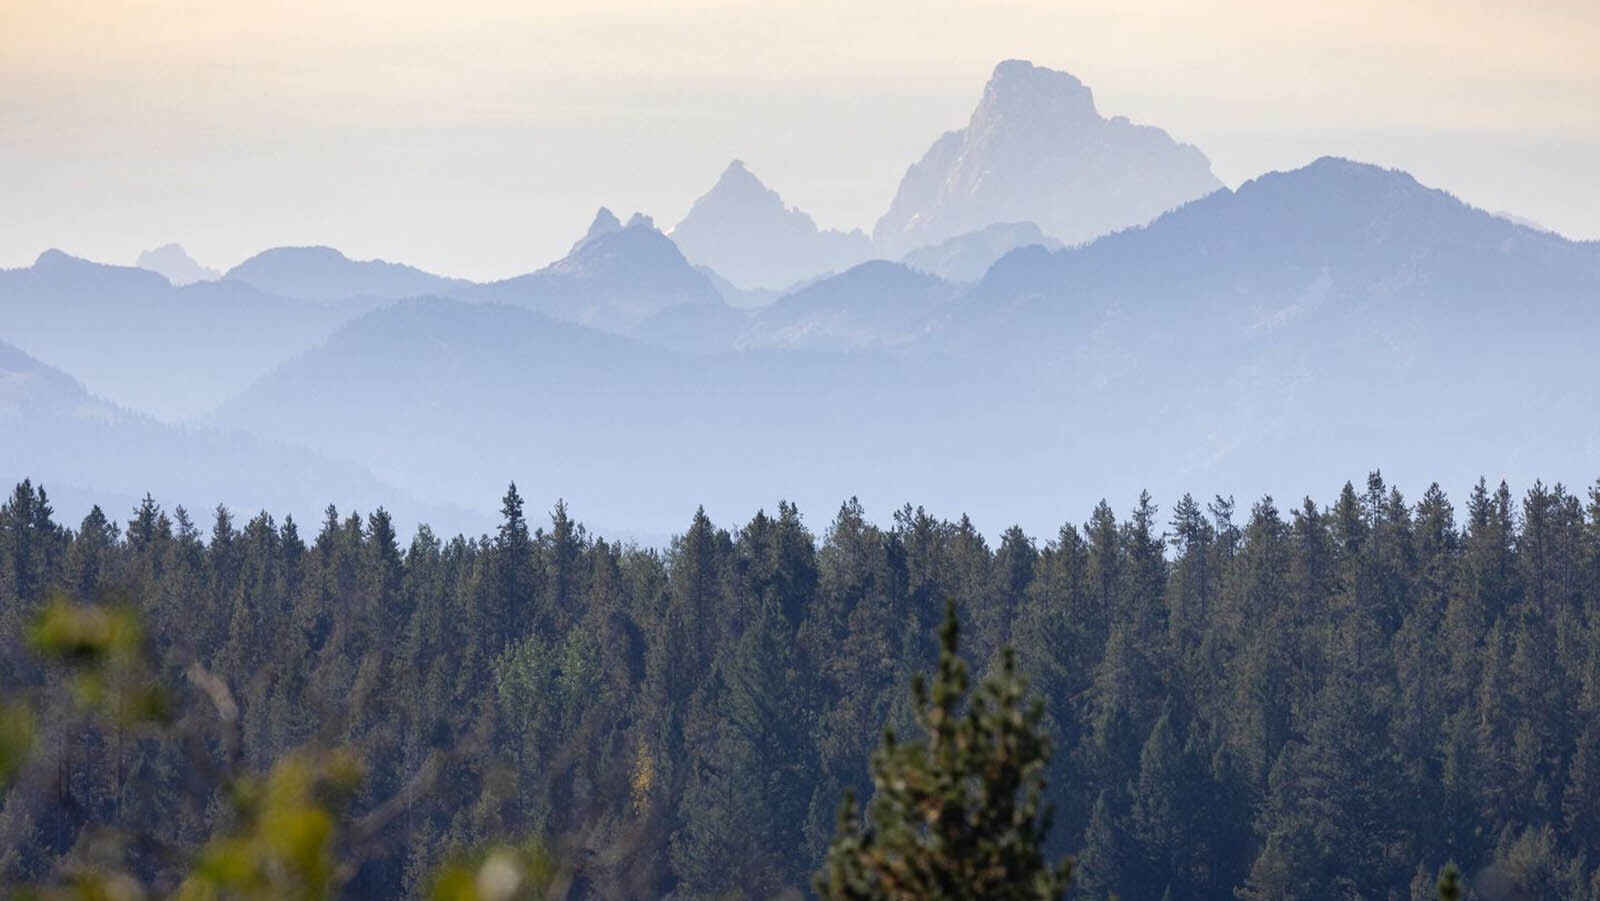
[{"x": 477, "y": 137}]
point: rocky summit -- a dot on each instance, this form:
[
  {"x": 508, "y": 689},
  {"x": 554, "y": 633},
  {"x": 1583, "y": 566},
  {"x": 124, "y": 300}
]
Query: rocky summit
[
  {"x": 1037, "y": 150},
  {"x": 746, "y": 233}
]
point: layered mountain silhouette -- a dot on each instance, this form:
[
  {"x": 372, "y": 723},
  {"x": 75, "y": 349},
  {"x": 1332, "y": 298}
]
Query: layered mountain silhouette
[
  {"x": 1036, "y": 150},
  {"x": 1334, "y": 313},
  {"x": 1333, "y": 239},
  {"x": 173, "y": 262},
  {"x": 1078, "y": 307},
  {"x": 86, "y": 450},
  {"x": 623, "y": 431},
  {"x": 138, "y": 340},
  {"x": 874, "y": 305},
  {"x": 322, "y": 273},
  {"x": 1259, "y": 339},
  {"x": 965, "y": 258},
  {"x": 744, "y": 231},
  {"x": 617, "y": 278}
]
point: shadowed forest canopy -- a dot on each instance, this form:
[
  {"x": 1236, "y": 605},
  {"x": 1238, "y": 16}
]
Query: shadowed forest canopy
[{"x": 1329, "y": 699}]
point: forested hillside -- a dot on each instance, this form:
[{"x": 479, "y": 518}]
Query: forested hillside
[{"x": 1324, "y": 699}]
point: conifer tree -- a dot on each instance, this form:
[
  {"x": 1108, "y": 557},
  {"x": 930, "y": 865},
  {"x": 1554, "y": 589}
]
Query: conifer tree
[{"x": 958, "y": 813}]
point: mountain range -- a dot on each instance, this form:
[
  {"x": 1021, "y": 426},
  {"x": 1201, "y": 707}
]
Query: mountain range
[
  {"x": 1036, "y": 150},
  {"x": 1035, "y": 164},
  {"x": 1278, "y": 337},
  {"x": 140, "y": 341},
  {"x": 323, "y": 274},
  {"x": 965, "y": 258},
  {"x": 88, "y": 451},
  {"x": 174, "y": 263},
  {"x": 1259, "y": 338},
  {"x": 617, "y": 278},
  {"x": 743, "y": 230}
]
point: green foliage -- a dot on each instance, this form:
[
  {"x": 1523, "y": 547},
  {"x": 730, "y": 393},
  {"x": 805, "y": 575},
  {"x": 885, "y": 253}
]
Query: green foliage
[
  {"x": 526, "y": 872},
  {"x": 1313, "y": 700},
  {"x": 285, "y": 841},
  {"x": 956, "y": 813},
  {"x": 1450, "y": 884},
  {"x": 104, "y": 648},
  {"x": 85, "y": 635},
  {"x": 17, "y": 730}
]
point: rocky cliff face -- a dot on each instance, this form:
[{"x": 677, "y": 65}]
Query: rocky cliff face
[
  {"x": 1037, "y": 150},
  {"x": 743, "y": 230}
]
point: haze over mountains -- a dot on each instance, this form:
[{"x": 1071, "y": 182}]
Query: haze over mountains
[
  {"x": 1331, "y": 319},
  {"x": 1259, "y": 339},
  {"x": 616, "y": 278},
  {"x": 175, "y": 264},
  {"x": 1036, "y": 150},
  {"x": 135, "y": 338},
  {"x": 86, "y": 451},
  {"x": 322, "y": 273},
  {"x": 965, "y": 258},
  {"x": 743, "y": 230}
]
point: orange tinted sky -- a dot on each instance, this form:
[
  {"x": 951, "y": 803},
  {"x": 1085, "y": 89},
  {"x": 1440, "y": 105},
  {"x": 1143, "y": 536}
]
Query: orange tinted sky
[{"x": 477, "y": 137}]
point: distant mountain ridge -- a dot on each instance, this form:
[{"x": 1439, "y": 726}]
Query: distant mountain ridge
[
  {"x": 965, "y": 258},
  {"x": 88, "y": 450},
  {"x": 744, "y": 231},
  {"x": 1293, "y": 240},
  {"x": 1265, "y": 339},
  {"x": 1036, "y": 150},
  {"x": 173, "y": 262},
  {"x": 617, "y": 427},
  {"x": 135, "y": 338},
  {"x": 875, "y": 305},
  {"x": 1253, "y": 341},
  {"x": 616, "y": 278},
  {"x": 1339, "y": 311},
  {"x": 323, "y": 274}
]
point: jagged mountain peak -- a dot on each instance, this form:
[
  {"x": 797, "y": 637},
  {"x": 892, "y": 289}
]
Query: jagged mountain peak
[
  {"x": 1036, "y": 149},
  {"x": 738, "y": 175},
  {"x": 738, "y": 192},
  {"x": 737, "y": 187},
  {"x": 615, "y": 278},
  {"x": 744, "y": 231},
  {"x": 638, "y": 245},
  {"x": 604, "y": 222},
  {"x": 1018, "y": 87},
  {"x": 172, "y": 261}
]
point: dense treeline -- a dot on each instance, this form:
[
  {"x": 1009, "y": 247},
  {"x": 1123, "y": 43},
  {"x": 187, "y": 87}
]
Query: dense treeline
[{"x": 1320, "y": 702}]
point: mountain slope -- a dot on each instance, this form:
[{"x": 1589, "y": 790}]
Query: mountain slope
[
  {"x": 874, "y": 305},
  {"x": 1334, "y": 313},
  {"x": 88, "y": 450},
  {"x": 175, "y": 264},
  {"x": 965, "y": 258},
  {"x": 323, "y": 273},
  {"x": 453, "y": 400},
  {"x": 1271, "y": 339},
  {"x": 134, "y": 338},
  {"x": 743, "y": 230},
  {"x": 1332, "y": 237},
  {"x": 1036, "y": 150},
  {"x": 617, "y": 277}
]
